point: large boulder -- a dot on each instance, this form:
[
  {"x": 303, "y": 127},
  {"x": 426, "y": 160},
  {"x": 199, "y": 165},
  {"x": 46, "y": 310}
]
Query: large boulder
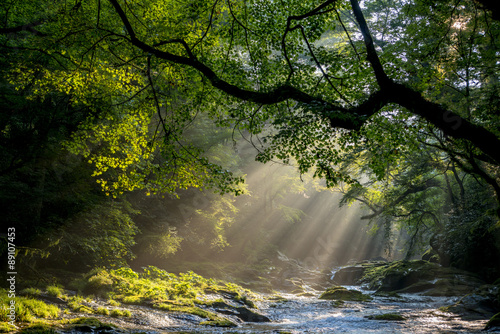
[
  {"x": 349, "y": 275},
  {"x": 240, "y": 312},
  {"x": 420, "y": 276},
  {"x": 494, "y": 322}
]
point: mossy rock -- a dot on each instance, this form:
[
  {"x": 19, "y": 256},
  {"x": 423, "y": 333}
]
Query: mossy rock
[
  {"x": 416, "y": 287},
  {"x": 349, "y": 275},
  {"x": 387, "y": 317},
  {"x": 472, "y": 306},
  {"x": 5, "y": 327},
  {"x": 90, "y": 321},
  {"x": 431, "y": 255},
  {"x": 387, "y": 294},
  {"x": 402, "y": 276},
  {"x": 342, "y": 293},
  {"x": 38, "y": 329},
  {"x": 219, "y": 323},
  {"x": 493, "y": 322},
  {"x": 399, "y": 275},
  {"x": 448, "y": 287}
]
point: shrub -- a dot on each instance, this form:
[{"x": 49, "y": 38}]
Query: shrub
[
  {"x": 99, "y": 284},
  {"x": 32, "y": 292},
  {"x": 54, "y": 291}
]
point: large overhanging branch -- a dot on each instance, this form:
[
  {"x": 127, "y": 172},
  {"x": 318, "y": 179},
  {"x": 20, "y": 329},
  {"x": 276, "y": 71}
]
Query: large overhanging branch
[
  {"x": 25, "y": 27},
  {"x": 450, "y": 123},
  {"x": 350, "y": 118},
  {"x": 336, "y": 113}
]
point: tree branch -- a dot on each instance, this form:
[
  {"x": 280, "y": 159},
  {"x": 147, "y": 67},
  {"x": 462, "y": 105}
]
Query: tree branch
[
  {"x": 371, "y": 54},
  {"x": 349, "y": 118},
  {"x": 26, "y": 27}
]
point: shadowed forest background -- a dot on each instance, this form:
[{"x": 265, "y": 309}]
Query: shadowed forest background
[{"x": 219, "y": 135}]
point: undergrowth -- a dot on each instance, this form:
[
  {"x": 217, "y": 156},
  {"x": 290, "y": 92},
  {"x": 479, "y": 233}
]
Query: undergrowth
[
  {"x": 155, "y": 286},
  {"x": 184, "y": 293},
  {"x": 27, "y": 309}
]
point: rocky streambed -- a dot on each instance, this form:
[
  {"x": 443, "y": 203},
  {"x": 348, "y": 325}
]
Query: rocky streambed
[
  {"x": 295, "y": 314},
  {"x": 401, "y": 297}
]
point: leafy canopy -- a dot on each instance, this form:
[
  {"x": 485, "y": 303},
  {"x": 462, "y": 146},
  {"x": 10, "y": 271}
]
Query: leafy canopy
[{"x": 307, "y": 81}]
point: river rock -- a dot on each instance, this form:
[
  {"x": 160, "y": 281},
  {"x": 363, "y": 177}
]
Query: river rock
[
  {"x": 349, "y": 275},
  {"x": 241, "y": 312},
  {"x": 341, "y": 293},
  {"x": 473, "y": 307},
  {"x": 420, "y": 277},
  {"x": 250, "y": 316},
  {"x": 494, "y": 322}
]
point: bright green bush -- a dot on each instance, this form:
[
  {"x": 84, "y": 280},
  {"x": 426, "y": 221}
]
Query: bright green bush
[{"x": 54, "y": 291}]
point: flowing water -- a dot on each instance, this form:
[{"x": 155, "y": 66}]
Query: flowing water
[{"x": 311, "y": 315}]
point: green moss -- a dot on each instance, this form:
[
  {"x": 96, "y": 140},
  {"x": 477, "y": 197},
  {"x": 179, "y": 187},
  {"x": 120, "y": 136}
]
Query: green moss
[
  {"x": 277, "y": 298},
  {"x": 113, "y": 302},
  {"x": 219, "y": 323},
  {"x": 388, "y": 317},
  {"x": 373, "y": 275},
  {"x": 90, "y": 321},
  {"x": 87, "y": 321},
  {"x": 31, "y": 292},
  {"x": 102, "y": 310},
  {"x": 493, "y": 322},
  {"x": 38, "y": 329},
  {"x": 341, "y": 293},
  {"x": 84, "y": 309},
  {"x": 163, "y": 290},
  {"x": 5, "y": 327},
  {"x": 338, "y": 303},
  {"x": 245, "y": 300},
  {"x": 134, "y": 300},
  {"x": 120, "y": 313},
  {"x": 388, "y": 294}
]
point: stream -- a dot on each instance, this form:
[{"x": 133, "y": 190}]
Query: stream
[{"x": 297, "y": 314}]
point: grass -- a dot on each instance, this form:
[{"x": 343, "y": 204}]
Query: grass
[
  {"x": 120, "y": 313},
  {"x": 31, "y": 292},
  {"x": 76, "y": 304},
  {"x": 54, "y": 291},
  {"x": 27, "y": 309},
  {"x": 102, "y": 311},
  {"x": 156, "y": 286},
  {"x": 113, "y": 302},
  {"x": 5, "y": 327}
]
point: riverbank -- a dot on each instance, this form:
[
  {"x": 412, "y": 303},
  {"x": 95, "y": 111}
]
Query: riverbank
[{"x": 154, "y": 301}]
